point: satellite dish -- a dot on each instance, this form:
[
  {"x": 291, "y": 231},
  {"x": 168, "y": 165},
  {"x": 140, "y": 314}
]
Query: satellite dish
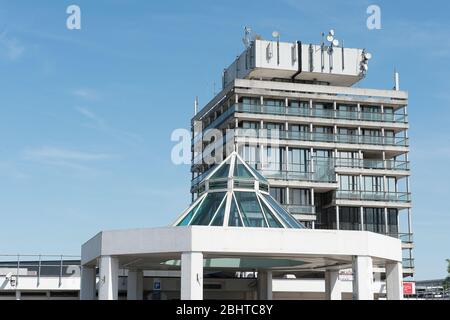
[
  {"x": 368, "y": 55},
  {"x": 330, "y": 38},
  {"x": 335, "y": 42},
  {"x": 331, "y": 32},
  {"x": 275, "y": 34}
]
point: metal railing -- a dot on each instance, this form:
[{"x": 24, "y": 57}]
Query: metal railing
[
  {"x": 404, "y": 237},
  {"x": 301, "y": 209},
  {"x": 18, "y": 266},
  {"x": 322, "y": 113},
  {"x": 322, "y": 137},
  {"x": 372, "y": 164},
  {"x": 372, "y": 195}
]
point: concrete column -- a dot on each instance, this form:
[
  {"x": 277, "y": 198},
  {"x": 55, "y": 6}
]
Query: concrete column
[
  {"x": 362, "y": 278},
  {"x": 192, "y": 276},
  {"x": 109, "y": 278},
  {"x": 333, "y": 289},
  {"x": 361, "y": 212},
  {"x": 265, "y": 285},
  {"x": 394, "y": 281},
  {"x": 135, "y": 285},
  {"x": 18, "y": 295},
  {"x": 386, "y": 225},
  {"x": 337, "y": 217},
  {"x": 88, "y": 277}
]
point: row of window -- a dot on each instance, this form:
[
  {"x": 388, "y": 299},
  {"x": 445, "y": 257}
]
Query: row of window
[
  {"x": 317, "y": 105},
  {"x": 369, "y": 183},
  {"x": 350, "y": 219},
  {"x": 316, "y": 129}
]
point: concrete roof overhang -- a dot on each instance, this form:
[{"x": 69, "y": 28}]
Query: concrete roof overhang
[{"x": 240, "y": 248}]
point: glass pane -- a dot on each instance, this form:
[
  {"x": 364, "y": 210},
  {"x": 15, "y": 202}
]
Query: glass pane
[
  {"x": 234, "y": 220},
  {"x": 209, "y": 206},
  {"x": 273, "y": 222},
  {"x": 250, "y": 209},
  {"x": 283, "y": 214},
  {"x": 222, "y": 172},
  {"x": 218, "y": 220},
  {"x": 188, "y": 217},
  {"x": 241, "y": 171}
]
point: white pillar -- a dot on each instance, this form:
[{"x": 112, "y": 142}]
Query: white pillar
[
  {"x": 18, "y": 295},
  {"x": 394, "y": 281},
  {"x": 87, "y": 287},
  {"x": 109, "y": 278},
  {"x": 135, "y": 285},
  {"x": 362, "y": 278},
  {"x": 192, "y": 276},
  {"x": 333, "y": 287},
  {"x": 265, "y": 285}
]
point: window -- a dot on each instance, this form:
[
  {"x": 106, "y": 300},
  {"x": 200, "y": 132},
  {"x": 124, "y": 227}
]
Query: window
[
  {"x": 299, "y": 197},
  {"x": 373, "y": 184},
  {"x": 251, "y": 155},
  {"x": 374, "y": 220},
  {"x": 274, "y": 103},
  {"x": 298, "y": 160},
  {"x": 346, "y": 107},
  {"x": 372, "y": 109},
  {"x": 299, "y": 104},
  {"x": 274, "y": 126},
  {"x": 251, "y": 101},
  {"x": 321, "y": 129},
  {"x": 250, "y": 125},
  {"x": 298, "y": 128},
  {"x": 278, "y": 194},
  {"x": 349, "y": 218},
  {"x": 273, "y": 158},
  {"x": 349, "y": 183},
  {"x": 393, "y": 221}
]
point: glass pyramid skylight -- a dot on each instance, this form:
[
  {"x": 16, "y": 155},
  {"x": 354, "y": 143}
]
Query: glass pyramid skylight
[{"x": 236, "y": 195}]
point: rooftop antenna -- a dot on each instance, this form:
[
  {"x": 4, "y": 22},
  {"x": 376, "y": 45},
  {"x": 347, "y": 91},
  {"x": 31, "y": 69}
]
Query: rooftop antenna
[
  {"x": 248, "y": 37},
  {"x": 276, "y": 35},
  {"x": 196, "y": 105},
  {"x": 366, "y": 56},
  {"x": 333, "y": 42},
  {"x": 396, "y": 80}
]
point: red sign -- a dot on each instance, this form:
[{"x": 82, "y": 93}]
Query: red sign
[{"x": 409, "y": 288}]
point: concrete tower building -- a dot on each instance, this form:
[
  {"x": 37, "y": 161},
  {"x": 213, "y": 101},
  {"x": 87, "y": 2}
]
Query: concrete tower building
[{"x": 336, "y": 156}]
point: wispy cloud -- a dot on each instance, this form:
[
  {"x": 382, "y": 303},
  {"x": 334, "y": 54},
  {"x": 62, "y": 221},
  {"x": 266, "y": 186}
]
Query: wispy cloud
[
  {"x": 10, "y": 47},
  {"x": 66, "y": 158},
  {"x": 87, "y": 94},
  {"x": 98, "y": 123}
]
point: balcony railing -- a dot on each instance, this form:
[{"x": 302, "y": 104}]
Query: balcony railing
[
  {"x": 408, "y": 263},
  {"x": 322, "y": 137},
  {"x": 372, "y": 164},
  {"x": 322, "y": 113},
  {"x": 301, "y": 209},
  {"x": 373, "y": 196},
  {"x": 298, "y": 176},
  {"x": 404, "y": 237}
]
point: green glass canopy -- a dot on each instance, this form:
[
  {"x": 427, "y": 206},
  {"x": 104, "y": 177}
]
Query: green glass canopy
[{"x": 236, "y": 195}]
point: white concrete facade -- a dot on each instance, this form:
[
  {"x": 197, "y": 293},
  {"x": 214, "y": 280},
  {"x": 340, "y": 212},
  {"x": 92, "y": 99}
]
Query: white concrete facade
[{"x": 150, "y": 249}]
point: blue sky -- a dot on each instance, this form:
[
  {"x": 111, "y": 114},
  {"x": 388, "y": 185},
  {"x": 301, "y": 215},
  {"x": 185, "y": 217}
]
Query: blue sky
[{"x": 86, "y": 115}]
